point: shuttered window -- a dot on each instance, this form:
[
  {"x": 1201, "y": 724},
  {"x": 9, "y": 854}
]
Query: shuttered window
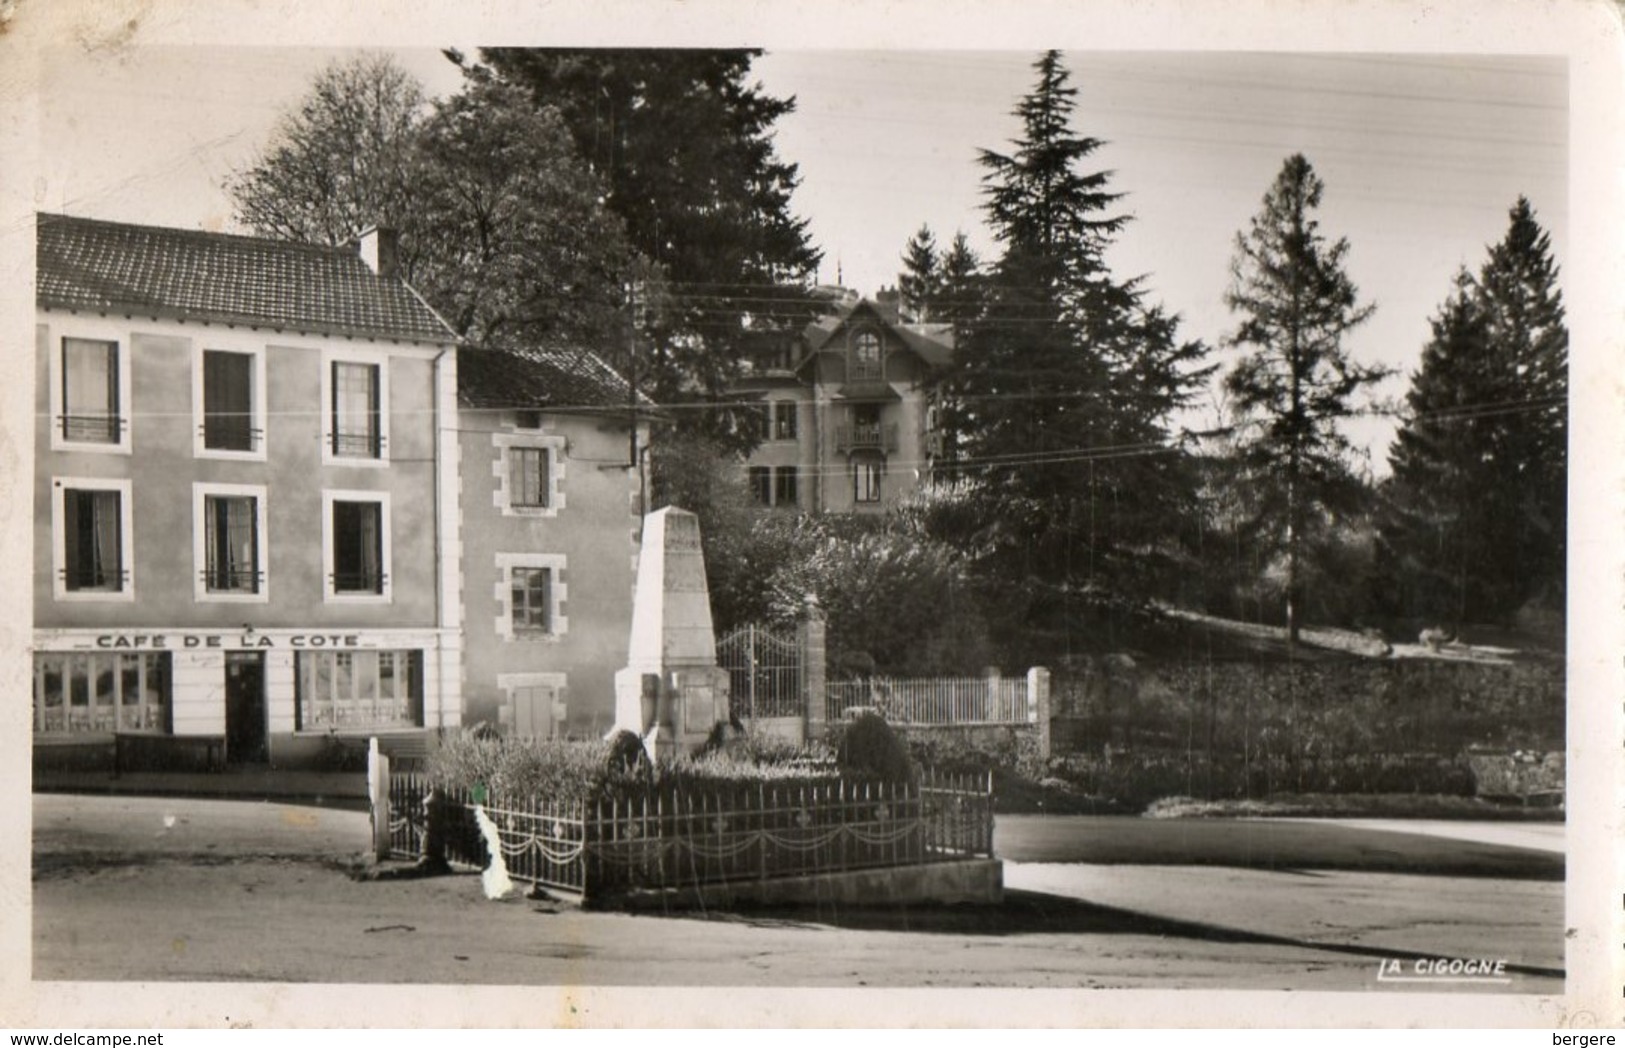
[{"x": 228, "y": 401}]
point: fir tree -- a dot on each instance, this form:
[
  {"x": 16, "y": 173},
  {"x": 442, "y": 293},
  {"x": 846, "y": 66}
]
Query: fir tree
[
  {"x": 1527, "y": 330},
  {"x": 1475, "y": 511},
  {"x": 1434, "y": 556},
  {"x": 1064, "y": 380},
  {"x": 919, "y": 284},
  {"x": 1296, "y": 381},
  {"x": 959, "y": 287}
]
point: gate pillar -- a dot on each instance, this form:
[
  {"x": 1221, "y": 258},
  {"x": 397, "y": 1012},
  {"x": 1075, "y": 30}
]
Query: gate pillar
[{"x": 814, "y": 653}]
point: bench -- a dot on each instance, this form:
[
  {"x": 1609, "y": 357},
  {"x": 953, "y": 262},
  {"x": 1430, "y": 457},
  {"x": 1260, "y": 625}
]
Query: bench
[
  {"x": 407, "y": 751},
  {"x": 142, "y": 752}
]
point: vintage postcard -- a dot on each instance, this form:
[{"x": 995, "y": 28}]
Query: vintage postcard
[{"x": 734, "y": 515}]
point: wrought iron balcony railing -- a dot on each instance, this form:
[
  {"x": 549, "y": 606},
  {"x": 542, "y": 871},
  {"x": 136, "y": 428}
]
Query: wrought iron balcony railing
[{"x": 872, "y": 436}]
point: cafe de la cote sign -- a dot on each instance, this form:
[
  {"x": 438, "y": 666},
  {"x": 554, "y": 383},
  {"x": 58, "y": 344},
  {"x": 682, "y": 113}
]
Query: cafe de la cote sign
[{"x": 215, "y": 640}]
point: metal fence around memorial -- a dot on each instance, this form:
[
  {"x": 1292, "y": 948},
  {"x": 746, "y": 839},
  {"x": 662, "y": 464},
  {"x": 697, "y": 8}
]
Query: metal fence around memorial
[{"x": 713, "y": 834}]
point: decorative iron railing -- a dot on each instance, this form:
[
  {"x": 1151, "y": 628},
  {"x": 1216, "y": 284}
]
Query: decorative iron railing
[
  {"x": 931, "y": 701},
  {"x": 673, "y": 838},
  {"x": 857, "y": 436},
  {"x": 764, "y": 674},
  {"x": 358, "y": 445},
  {"x": 97, "y": 429}
]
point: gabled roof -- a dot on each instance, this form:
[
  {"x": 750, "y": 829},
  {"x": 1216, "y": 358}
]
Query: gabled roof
[
  {"x": 552, "y": 379},
  {"x": 115, "y": 267},
  {"x": 933, "y": 342}
]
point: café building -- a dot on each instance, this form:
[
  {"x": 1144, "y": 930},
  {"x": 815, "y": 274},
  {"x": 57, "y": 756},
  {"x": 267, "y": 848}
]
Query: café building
[{"x": 245, "y": 495}]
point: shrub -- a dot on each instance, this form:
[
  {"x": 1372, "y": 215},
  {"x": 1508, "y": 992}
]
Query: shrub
[
  {"x": 953, "y": 750},
  {"x": 524, "y": 770},
  {"x": 626, "y": 753},
  {"x": 868, "y": 746}
]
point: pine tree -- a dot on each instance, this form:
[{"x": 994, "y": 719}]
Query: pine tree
[
  {"x": 959, "y": 289},
  {"x": 920, "y": 282},
  {"x": 1065, "y": 380},
  {"x": 1296, "y": 382},
  {"x": 1475, "y": 511}
]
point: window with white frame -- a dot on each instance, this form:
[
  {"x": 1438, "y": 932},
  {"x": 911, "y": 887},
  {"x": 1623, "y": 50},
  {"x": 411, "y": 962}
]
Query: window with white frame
[
  {"x": 92, "y": 546},
  {"x": 529, "y": 474},
  {"x": 356, "y": 544},
  {"x": 90, "y": 391},
  {"x": 228, "y": 528},
  {"x": 345, "y": 690},
  {"x": 228, "y": 391},
  {"x": 531, "y": 592},
  {"x": 90, "y": 394},
  {"x": 78, "y": 692},
  {"x": 355, "y": 395},
  {"x": 228, "y": 401},
  {"x": 533, "y": 705},
  {"x": 356, "y": 433}
]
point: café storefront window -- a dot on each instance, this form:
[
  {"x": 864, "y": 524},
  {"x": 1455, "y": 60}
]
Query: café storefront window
[
  {"x": 101, "y": 692},
  {"x": 345, "y": 690}
]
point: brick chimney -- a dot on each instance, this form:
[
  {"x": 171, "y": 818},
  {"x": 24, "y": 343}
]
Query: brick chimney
[{"x": 380, "y": 250}]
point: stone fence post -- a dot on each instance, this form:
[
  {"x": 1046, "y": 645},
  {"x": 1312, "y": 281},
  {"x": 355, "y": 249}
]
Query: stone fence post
[
  {"x": 378, "y": 794},
  {"x": 1038, "y": 707},
  {"x": 814, "y": 672}
]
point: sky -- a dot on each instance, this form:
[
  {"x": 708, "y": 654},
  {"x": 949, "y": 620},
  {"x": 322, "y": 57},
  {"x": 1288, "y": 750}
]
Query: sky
[{"x": 1422, "y": 156}]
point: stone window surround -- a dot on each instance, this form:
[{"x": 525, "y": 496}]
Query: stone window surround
[
  {"x": 555, "y": 446},
  {"x": 558, "y": 592},
  {"x": 510, "y": 683}
]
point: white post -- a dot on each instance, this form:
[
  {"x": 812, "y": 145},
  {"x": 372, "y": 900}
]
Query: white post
[
  {"x": 378, "y": 794},
  {"x": 1038, "y": 707}
]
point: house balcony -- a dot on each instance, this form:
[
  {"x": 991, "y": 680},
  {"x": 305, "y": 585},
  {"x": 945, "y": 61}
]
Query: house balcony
[{"x": 873, "y": 436}]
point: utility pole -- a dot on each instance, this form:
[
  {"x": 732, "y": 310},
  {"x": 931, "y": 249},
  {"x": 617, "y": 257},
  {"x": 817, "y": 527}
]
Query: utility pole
[{"x": 634, "y": 457}]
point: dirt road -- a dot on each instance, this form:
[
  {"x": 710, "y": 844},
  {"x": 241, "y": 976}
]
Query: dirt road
[{"x": 133, "y": 888}]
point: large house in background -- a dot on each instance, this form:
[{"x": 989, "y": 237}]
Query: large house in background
[
  {"x": 268, "y": 512},
  {"x": 846, "y": 408}
]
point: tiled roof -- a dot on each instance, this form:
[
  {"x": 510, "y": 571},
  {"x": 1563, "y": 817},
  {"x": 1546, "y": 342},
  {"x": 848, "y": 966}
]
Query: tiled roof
[
  {"x": 88, "y": 264},
  {"x": 560, "y": 379},
  {"x": 933, "y": 342}
]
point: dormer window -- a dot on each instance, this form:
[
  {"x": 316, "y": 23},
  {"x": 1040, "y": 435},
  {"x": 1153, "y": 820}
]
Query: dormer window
[{"x": 866, "y": 362}]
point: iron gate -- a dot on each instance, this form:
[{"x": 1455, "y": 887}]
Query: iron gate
[{"x": 764, "y": 674}]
